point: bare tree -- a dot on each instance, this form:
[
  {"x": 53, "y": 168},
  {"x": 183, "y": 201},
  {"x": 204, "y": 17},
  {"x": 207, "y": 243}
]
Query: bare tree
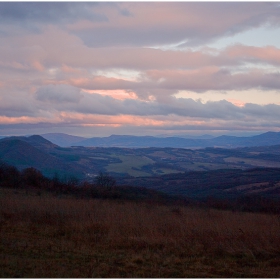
[{"x": 105, "y": 180}]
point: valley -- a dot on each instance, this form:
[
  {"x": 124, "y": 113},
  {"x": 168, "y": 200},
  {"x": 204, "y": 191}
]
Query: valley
[
  {"x": 194, "y": 173},
  {"x": 86, "y": 162}
]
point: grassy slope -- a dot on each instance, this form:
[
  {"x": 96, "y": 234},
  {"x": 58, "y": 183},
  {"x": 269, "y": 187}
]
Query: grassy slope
[{"x": 47, "y": 236}]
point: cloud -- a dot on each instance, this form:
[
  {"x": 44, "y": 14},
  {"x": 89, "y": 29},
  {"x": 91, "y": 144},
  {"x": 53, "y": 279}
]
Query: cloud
[
  {"x": 47, "y": 12},
  {"x": 177, "y": 23},
  {"x": 16, "y": 103},
  {"x": 268, "y": 54},
  {"x": 211, "y": 78},
  {"x": 96, "y": 104},
  {"x": 72, "y": 63},
  {"x": 59, "y": 93},
  {"x": 137, "y": 24}
]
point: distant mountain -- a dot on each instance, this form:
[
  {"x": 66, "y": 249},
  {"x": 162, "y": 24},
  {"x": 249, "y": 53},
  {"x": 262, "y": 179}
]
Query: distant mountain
[
  {"x": 127, "y": 141},
  {"x": 130, "y": 141},
  {"x": 62, "y": 139},
  {"x": 204, "y": 136},
  {"x": 265, "y": 139}
]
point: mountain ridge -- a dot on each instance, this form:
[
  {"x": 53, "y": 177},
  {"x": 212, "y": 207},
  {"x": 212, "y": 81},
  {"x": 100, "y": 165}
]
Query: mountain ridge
[
  {"x": 86, "y": 162},
  {"x": 63, "y": 139},
  {"x": 129, "y": 141}
]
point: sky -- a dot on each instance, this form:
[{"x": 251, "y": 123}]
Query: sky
[{"x": 139, "y": 68}]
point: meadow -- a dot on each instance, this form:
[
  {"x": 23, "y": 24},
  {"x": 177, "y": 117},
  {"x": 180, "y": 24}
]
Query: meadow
[{"x": 45, "y": 235}]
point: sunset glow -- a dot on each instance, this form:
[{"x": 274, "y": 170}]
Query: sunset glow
[{"x": 101, "y": 68}]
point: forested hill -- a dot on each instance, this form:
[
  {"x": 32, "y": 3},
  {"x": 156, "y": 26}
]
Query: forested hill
[{"x": 129, "y": 141}]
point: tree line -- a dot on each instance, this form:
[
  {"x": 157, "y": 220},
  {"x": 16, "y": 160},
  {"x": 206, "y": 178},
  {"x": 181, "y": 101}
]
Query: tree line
[{"x": 103, "y": 186}]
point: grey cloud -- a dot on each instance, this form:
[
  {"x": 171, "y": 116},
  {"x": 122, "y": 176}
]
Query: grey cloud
[
  {"x": 211, "y": 115},
  {"x": 31, "y": 13},
  {"x": 59, "y": 93},
  {"x": 53, "y": 99},
  {"x": 223, "y": 110},
  {"x": 125, "y": 13},
  {"x": 16, "y": 104},
  {"x": 162, "y": 84},
  {"x": 203, "y": 81},
  {"x": 128, "y": 37},
  {"x": 243, "y": 16},
  {"x": 145, "y": 29}
]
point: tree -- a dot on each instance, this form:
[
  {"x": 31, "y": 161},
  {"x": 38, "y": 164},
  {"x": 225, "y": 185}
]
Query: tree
[
  {"x": 105, "y": 180},
  {"x": 9, "y": 175},
  {"x": 32, "y": 177}
]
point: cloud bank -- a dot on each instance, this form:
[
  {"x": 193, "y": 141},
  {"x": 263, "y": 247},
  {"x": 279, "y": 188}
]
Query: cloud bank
[{"x": 123, "y": 67}]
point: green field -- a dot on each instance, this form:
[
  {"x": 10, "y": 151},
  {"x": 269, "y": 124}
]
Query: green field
[{"x": 131, "y": 165}]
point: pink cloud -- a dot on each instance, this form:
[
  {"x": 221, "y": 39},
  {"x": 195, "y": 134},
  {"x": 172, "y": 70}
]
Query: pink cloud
[
  {"x": 107, "y": 120},
  {"x": 115, "y": 93},
  {"x": 102, "y": 83},
  {"x": 267, "y": 54},
  {"x": 70, "y": 73},
  {"x": 38, "y": 66},
  {"x": 27, "y": 120},
  {"x": 236, "y": 102}
]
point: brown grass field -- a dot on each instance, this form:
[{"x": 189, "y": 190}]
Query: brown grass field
[{"x": 44, "y": 236}]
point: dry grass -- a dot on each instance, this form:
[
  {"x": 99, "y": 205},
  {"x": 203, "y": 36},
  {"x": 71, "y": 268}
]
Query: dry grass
[{"x": 46, "y": 236}]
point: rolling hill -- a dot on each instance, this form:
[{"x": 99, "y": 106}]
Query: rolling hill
[
  {"x": 33, "y": 151},
  {"x": 128, "y": 141}
]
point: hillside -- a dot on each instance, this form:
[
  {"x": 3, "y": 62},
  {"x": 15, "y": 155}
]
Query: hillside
[
  {"x": 33, "y": 151},
  {"x": 50, "y": 236},
  {"x": 222, "y": 183}
]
